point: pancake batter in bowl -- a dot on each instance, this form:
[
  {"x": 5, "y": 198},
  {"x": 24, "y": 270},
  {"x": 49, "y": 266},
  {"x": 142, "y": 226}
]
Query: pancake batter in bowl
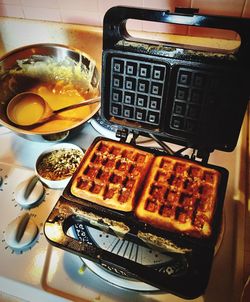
[
  {"x": 59, "y": 96},
  {"x": 61, "y": 82}
]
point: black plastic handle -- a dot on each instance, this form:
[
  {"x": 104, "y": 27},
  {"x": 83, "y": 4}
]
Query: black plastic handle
[
  {"x": 114, "y": 24},
  {"x": 190, "y": 285}
]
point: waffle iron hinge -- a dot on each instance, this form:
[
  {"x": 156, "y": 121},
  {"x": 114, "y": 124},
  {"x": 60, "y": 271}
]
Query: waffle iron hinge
[
  {"x": 122, "y": 134},
  {"x": 203, "y": 154}
]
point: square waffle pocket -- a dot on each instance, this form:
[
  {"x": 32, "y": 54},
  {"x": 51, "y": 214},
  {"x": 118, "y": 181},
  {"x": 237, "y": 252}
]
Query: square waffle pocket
[{"x": 167, "y": 193}]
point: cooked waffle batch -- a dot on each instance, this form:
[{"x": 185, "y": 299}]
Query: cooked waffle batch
[
  {"x": 169, "y": 193},
  {"x": 180, "y": 196},
  {"x": 112, "y": 175}
]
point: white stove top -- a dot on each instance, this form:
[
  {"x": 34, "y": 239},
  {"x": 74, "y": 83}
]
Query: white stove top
[{"x": 45, "y": 273}]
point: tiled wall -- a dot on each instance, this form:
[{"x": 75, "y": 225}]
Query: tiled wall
[{"x": 92, "y": 11}]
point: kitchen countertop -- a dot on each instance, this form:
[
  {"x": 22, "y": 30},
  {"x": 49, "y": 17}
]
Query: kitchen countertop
[{"x": 18, "y": 32}]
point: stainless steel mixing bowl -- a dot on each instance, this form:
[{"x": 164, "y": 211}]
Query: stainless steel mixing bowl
[{"x": 13, "y": 81}]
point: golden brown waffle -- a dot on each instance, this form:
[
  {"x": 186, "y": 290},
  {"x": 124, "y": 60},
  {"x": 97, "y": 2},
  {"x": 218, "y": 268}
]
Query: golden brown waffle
[
  {"x": 179, "y": 196},
  {"x": 111, "y": 175},
  {"x": 176, "y": 195}
]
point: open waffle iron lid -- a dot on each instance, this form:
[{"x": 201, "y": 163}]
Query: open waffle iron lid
[
  {"x": 191, "y": 97},
  {"x": 188, "y": 97}
]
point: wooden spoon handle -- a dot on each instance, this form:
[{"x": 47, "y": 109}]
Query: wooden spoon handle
[{"x": 81, "y": 104}]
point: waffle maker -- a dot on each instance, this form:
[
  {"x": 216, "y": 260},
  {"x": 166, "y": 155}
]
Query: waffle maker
[{"x": 191, "y": 97}]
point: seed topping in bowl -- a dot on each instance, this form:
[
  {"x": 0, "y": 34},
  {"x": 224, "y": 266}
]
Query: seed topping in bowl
[{"x": 59, "y": 164}]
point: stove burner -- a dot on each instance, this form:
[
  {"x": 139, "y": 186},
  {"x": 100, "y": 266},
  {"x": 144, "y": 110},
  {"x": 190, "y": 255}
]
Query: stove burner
[
  {"x": 104, "y": 129},
  {"x": 4, "y": 130}
]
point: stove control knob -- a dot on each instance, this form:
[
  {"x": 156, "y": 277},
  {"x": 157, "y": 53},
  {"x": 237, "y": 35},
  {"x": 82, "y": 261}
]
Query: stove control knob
[
  {"x": 21, "y": 233},
  {"x": 29, "y": 192},
  {"x": 1, "y": 181}
]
